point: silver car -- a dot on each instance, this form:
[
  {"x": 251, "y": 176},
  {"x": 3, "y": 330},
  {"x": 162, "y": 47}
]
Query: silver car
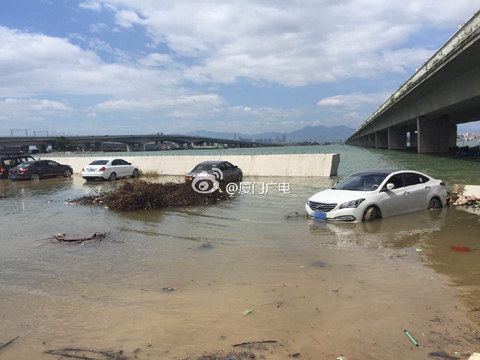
[
  {"x": 109, "y": 169},
  {"x": 368, "y": 195}
]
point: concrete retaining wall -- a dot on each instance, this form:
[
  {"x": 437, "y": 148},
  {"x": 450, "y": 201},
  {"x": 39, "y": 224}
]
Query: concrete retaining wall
[{"x": 251, "y": 165}]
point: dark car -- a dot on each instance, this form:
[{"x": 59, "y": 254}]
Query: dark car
[
  {"x": 209, "y": 174},
  {"x": 10, "y": 161},
  {"x": 38, "y": 169}
]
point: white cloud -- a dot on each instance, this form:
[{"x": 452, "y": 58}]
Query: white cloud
[
  {"x": 127, "y": 18},
  {"x": 90, "y": 5},
  {"x": 99, "y": 28},
  {"x": 215, "y": 42},
  {"x": 156, "y": 59},
  {"x": 175, "y": 105},
  {"x": 264, "y": 112},
  {"x": 29, "y": 113},
  {"x": 349, "y": 103},
  {"x": 291, "y": 43}
]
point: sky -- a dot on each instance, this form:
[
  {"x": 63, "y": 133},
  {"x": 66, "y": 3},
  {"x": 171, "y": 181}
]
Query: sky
[{"x": 97, "y": 67}]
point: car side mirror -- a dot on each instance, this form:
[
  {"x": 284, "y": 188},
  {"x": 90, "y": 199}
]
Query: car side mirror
[{"x": 390, "y": 186}]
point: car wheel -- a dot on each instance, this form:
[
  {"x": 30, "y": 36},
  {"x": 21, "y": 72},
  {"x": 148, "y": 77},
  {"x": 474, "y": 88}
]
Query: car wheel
[
  {"x": 112, "y": 177},
  {"x": 67, "y": 173},
  {"x": 135, "y": 173},
  {"x": 35, "y": 177},
  {"x": 371, "y": 214},
  {"x": 434, "y": 204}
]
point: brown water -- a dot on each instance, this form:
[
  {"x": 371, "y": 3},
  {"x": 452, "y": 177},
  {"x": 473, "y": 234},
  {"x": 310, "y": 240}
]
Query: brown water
[{"x": 321, "y": 290}]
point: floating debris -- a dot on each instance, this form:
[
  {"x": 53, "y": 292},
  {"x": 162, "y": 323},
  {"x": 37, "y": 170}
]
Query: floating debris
[
  {"x": 86, "y": 354},
  {"x": 411, "y": 337},
  {"x": 8, "y": 343},
  {"x": 143, "y": 195},
  {"x": 78, "y": 239},
  {"x": 461, "y": 248}
]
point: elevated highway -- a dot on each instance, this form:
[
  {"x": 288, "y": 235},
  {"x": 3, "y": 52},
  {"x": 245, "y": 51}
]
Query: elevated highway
[
  {"x": 133, "y": 142},
  {"x": 424, "y": 112}
]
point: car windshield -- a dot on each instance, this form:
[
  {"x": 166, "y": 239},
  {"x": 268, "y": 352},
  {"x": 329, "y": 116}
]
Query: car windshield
[
  {"x": 360, "y": 182},
  {"x": 99, "y": 162},
  {"x": 204, "y": 167}
]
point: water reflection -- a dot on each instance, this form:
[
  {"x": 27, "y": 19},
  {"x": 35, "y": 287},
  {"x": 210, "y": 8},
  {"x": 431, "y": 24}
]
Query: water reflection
[{"x": 393, "y": 232}]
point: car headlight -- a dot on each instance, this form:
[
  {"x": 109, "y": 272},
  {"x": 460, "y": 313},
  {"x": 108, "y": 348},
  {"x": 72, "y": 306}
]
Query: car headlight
[{"x": 351, "y": 204}]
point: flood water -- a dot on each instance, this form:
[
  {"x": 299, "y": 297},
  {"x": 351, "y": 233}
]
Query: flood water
[{"x": 174, "y": 284}]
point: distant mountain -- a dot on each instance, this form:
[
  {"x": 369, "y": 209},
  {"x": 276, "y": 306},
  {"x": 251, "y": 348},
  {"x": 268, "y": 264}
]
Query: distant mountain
[{"x": 317, "y": 133}]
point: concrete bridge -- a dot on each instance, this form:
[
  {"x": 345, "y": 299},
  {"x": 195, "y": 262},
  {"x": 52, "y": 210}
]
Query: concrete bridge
[
  {"x": 133, "y": 142},
  {"x": 424, "y": 112}
]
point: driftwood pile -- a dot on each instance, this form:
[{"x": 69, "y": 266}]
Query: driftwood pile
[{"x": 143, "y": 195}]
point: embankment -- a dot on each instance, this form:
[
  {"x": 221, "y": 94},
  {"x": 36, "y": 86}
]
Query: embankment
[{"x": 251, "y": 165}]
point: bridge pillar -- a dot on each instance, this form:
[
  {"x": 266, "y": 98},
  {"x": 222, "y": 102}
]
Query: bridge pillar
[
  {"x": 413, "y": 139},
  {"x": 141, "y": 147},
  {"x": 381, "y": 139},
  {"x": 371, "y": 140},
  {"x": 42, "y": 148},
  {"x": 452, "y": 136},
  {"x": 435, "y": 135},
  {"x": 86, "y": 147},
  {"x": 130, "y": 147},
  {"x": 397, "y": 138},
  {"x": 98, "y": 146},
  {"x": 364, "y": 141}
]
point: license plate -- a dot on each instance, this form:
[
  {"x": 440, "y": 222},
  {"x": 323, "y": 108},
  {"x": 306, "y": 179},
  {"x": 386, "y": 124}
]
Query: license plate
[
  {"x": 13, "y": 176},
  {"x": 320, "y": 215}
]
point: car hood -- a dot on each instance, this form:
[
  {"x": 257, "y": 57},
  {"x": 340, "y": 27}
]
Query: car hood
[{"x": 338, "y": 196}]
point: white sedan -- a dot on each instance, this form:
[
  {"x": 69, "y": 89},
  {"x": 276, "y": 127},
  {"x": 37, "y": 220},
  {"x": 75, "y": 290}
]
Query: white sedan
[
  {"x": 368, "y": 195},
  {"x": 109, "y": 169}
]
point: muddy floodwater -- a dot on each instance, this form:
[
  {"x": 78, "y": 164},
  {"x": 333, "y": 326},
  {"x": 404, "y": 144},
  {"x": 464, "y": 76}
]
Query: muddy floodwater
[{"x": 179, "y": 283}]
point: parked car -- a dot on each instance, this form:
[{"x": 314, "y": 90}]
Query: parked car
[
  {"x": 38, "y": 169},
  {"x": 10, "y": 161},
  {"x": 223, "y": 170},
  {"x": 109, "y": 169},
  {"x": 207, "y": 176},
  {"x": 369, "y": 195}
]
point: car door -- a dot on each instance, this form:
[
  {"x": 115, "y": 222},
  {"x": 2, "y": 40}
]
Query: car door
[
  {"x": 393, "y": 201},
  {"x": 54, "y": 168},
  {"x": 415, "y": 185},
  {"x": 40, "y": 168},
  {"x": 228, "y": 174},
  {"x": 118, "y": 168},
  {"x": 125, "y": 168}
]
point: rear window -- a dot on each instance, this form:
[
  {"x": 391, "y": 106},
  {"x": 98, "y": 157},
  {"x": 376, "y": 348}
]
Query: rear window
[
  {"x": 99, "y": 162},
  {"x": 204, "y": 167}
]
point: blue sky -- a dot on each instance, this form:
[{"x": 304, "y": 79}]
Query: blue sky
[{"x": 148, "y": 66}]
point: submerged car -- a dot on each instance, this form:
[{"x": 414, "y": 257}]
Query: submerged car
[
  {"x": 10, "y": 161},
  {"x": 369, "y": 195},
  {"x": 109, "y": 169},
  {"x": 207, "y": 176},
  {"x": 39, "y": 169}
]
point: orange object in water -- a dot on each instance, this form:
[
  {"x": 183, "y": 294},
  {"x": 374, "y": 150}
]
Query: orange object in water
[{"x": 461, "y": 248}]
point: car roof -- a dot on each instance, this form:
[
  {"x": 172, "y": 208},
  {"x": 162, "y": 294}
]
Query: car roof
[
  {"x": 212, "y": 162},
  {"x": 375, "y": 172}
]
